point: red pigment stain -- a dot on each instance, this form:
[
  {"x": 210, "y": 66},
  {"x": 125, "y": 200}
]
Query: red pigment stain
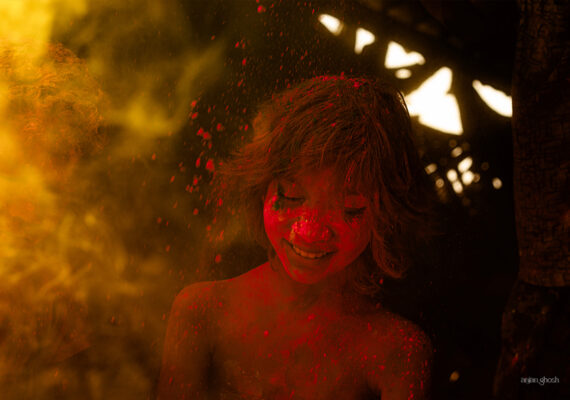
[
  {"x": 218, "y": 258},
  {"x": 194, "y": 115},
  {"x": 261, "y": 9},
  {"x": 172, "y": 178},
  {"x": 243, "y": 62},
  {"x": 197, "y": 162},
  {"x": 219, "y": 127},
  {"x": 153, "y": 156},
  {"x": 195, "y": 212},
  {"x": 210, "y": 165},
  {"x": 266, "y": 333}
]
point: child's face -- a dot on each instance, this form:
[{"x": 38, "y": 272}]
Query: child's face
[{"x": 317, "y": 226}]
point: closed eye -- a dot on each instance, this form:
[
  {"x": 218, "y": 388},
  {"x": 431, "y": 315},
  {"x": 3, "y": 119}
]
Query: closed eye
[
  {"x": 281, "y": 195},
  {"x": 354, "y": 212}
]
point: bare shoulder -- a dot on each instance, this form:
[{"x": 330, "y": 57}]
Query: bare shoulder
[
  {"x": 189, "y": 337},
  {"x": 405, "y": 367}
]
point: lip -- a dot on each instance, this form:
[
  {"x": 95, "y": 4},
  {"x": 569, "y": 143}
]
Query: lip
[{"x": 310, "y": 254}]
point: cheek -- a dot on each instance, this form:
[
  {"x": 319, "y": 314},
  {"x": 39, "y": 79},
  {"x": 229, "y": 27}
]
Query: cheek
[
  {"x": 275, "y": 217},
  {"x": 355, "y": 235}
]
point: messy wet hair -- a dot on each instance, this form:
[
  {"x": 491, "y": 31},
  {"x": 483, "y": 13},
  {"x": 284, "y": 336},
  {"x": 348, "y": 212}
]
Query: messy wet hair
[{"x": 359, "y": 127}]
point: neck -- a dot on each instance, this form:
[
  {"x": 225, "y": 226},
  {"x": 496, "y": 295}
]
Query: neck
[{"x": 295, "y": 296}]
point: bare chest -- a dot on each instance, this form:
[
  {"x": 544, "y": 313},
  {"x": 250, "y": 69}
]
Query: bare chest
[{"x": 284, "y": 358}]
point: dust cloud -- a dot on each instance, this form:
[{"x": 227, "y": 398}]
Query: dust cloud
[{"x": 101, "y": 223}]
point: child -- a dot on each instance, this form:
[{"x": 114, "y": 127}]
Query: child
[{"x": 331, "y": 187}]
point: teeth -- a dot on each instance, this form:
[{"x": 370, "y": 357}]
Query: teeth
[{"x": 308, "y": 255}]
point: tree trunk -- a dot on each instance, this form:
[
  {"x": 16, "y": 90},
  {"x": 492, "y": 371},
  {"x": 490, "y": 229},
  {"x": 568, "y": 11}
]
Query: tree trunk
[{"x": 536, "y": 326}]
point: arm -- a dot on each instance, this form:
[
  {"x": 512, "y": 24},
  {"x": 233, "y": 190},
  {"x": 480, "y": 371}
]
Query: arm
[
  {"x": 405, "y": 372},
  {"x": 188, "y": 346}
]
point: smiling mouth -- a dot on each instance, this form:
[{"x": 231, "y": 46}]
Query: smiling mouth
[{"x": 309, "y": 254}]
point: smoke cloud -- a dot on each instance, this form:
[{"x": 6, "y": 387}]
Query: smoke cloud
[{"x": 101, "y": 221}]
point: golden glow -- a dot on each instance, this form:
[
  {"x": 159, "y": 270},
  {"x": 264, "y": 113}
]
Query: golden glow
[
  {"x": 403, "y": 73},
  {"x": 33, "y": 21},
  {"x": 497, "y": 183},
  {"x": 398, "y": 57},
  {"x": 64, "y": 225},
  {"x": 452, "y": 175},
  {"x": 431, "y": 168},
  {"x": 334, "y": 25},
  {"x": 467, "y": 177},
  {"x": 456, "y": 152},
  {"x": 497, "y": 101},
  {"x": 465, "y": 164},
  {"x": 457, "y": 187},
  {"x": 363, "y": 39},
  {"x": 435, "y": 107}
]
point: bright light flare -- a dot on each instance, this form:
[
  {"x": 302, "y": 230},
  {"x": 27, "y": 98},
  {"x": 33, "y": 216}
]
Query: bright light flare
[
  {"x": 363, "y": 39},
  {"x": 497, "y": 183},
  {"x": 452, "y": 175},
  {"x": 457, "y": 187},
  {"x": 398, "y": 57},
  {"x": 333, "y": 24},
  {"x": 403, "y": 73},
  {"x": 497, "y": 101},
  {"x": 465, "y": 164},
  {"x": 467, "y": 178},
  {"x": 435, "y": 107}
]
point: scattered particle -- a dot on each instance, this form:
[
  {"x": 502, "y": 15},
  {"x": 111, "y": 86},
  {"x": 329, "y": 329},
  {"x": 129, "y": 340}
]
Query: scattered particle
[
  {"x": 172, "y": 178},
  {"x": 195, "y": 212},
  {"x": 194, "y": 115},
  {"x": 261, "y": 9},
  {"x": 219, "y": 127},
  {"x": 266, "y": 333},
  {"x": 153, "y": 156},
  {"x": 454, "y": 376},
  {"x": 197, "y": 162},
  {"x": 167, "y": 248},
  {"x": 218, "y": 258},
  {"x": 243, "y": 62},
  {"x": 210, "y": 165}
]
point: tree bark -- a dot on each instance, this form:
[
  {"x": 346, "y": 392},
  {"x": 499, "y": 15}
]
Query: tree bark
[{"x": 535, "y": 326}]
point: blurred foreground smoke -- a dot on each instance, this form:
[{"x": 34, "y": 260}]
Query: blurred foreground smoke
[
  {"x": 95, "y": 216},
  {"x": 49, "y": 241}
]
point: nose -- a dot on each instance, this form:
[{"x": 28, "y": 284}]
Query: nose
[{"x": 311, "y": 229}]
